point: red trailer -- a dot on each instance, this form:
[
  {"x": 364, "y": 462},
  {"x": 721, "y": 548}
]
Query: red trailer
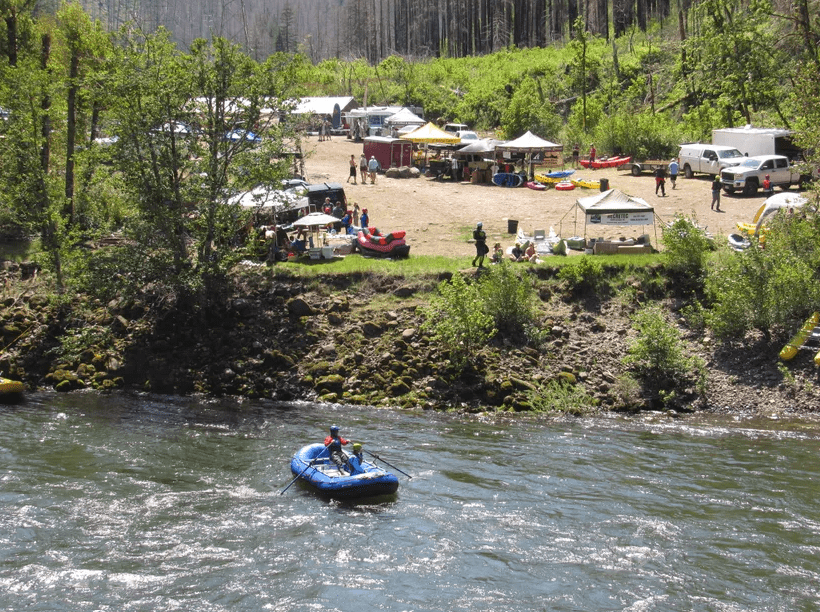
[{"x": 389, "y": 152}]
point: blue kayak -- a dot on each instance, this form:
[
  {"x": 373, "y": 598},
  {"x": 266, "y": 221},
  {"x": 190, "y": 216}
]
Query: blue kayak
[{"x": 327, "y": 478}]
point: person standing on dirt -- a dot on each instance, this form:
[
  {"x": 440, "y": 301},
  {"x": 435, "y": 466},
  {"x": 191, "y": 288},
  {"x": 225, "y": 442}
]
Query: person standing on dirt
[
  {"x": 352, "y": 174},
  {"x": 673, "y": 171},
  {"x": 592, "y": 153},
  {"x": 660, "y": 180},
  {"x": 716, "y": 187},
  {"x": 480, "y": 237},
  {"x": 576, "y": 152},
  {"x": 363, "y": 168}
]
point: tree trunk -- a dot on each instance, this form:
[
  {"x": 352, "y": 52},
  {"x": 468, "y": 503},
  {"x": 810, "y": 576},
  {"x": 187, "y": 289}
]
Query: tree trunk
[{"x": 71, "y": 134}]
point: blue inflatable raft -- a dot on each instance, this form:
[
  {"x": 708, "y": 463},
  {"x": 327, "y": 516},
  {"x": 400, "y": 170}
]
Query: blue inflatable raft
[{"x": 312, "y": 465}]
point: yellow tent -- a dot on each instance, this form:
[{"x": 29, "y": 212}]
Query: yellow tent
[{"x": 428, "y": 134}]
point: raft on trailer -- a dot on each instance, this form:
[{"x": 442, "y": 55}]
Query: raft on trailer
[
  {"x": 610, "y": 162},
  {"x": 799, "y": 339},
  {"x": 312, "y": 465}
]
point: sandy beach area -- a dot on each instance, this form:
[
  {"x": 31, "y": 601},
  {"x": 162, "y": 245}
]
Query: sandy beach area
[{"x": 439, "y": 216}]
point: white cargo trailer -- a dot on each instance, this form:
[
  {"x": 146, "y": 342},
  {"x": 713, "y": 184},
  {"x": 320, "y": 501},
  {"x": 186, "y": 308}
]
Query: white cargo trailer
[{"x": 752, "y": 141}]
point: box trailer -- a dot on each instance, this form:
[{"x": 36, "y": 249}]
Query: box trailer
[
  {"x": 752, "y": 141},
  {"x": 389, "y": 152}
]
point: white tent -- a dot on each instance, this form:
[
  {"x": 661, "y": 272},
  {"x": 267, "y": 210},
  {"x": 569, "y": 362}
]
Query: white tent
[
  {"x": 780, "y": 201},
  {"x": 405, "y": 117},
  {"x": 533, "y": 147},
  {"x": 613, "y": 207}
]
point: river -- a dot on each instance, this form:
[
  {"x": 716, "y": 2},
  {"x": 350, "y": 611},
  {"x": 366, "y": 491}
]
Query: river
[{"x": 145, "y": 503}]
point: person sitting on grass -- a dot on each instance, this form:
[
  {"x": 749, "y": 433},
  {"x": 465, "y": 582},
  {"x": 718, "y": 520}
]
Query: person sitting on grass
[
  {"x": 530, "y": 253},
  {"x": 517, "y": 253},
  {"x": 498, "y": 253}
]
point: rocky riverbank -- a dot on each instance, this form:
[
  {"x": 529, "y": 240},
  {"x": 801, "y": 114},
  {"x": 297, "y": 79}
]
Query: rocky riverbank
[{"x": 359, "y": 340}]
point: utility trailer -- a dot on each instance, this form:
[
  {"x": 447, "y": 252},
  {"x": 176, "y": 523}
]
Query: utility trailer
[{"x": 639, "y": 167}]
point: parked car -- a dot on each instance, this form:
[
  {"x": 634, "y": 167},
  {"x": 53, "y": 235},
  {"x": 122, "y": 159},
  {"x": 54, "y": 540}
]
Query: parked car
[
  {"x": 706, "y": 158},
  {"x": 454, "y": 127},
  {"x": 748, "y": 176},
  {"x": 467, "y": 135}
]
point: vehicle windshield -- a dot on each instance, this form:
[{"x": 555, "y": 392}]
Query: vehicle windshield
[
  {"x": 729, "y": 154},
  {"x": 751, "y": 163}
]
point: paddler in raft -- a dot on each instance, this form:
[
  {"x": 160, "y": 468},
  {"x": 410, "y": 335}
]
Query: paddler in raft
[
  {"x": 354, "y": 464},
  {"x": 334, "y": 443}
]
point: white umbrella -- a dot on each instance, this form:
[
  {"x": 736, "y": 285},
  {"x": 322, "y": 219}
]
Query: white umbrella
[{"x": 316, "y": 219}]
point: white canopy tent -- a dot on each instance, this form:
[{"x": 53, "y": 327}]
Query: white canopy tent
[
  {"x": 404, "y": 118},
  {"x": 780, "y": 201},
  {"x": 533, "y": 147},
  {"x": 613, "y": 207}
]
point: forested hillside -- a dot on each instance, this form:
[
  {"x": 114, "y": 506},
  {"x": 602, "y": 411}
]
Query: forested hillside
[{"x": 376, "y": 29}]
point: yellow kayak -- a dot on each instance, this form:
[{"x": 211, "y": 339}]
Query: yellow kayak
[
  {"x": 790, "y": 350},
  {"x": 586, "y": 183},
  {"x": 10, "y": 387},
  {"x": 547, "y": 180}
]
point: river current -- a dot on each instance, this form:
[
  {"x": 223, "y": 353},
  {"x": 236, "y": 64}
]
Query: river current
[{"x": 144, "y": 503}]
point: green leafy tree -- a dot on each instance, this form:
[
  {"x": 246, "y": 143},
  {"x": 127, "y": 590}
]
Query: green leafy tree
[
  {"x": 458, "y": 319},
  {"x": 509, "y": 297},
  {"x": 767, "y": 289},
  {"x": 196, "y": 129}
]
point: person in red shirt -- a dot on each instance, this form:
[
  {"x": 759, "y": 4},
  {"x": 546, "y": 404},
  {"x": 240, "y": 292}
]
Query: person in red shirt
[{"x": 334, "y": 443}]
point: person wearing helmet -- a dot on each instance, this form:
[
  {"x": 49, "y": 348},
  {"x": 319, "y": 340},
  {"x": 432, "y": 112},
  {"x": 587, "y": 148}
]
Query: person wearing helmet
[
  {"x": 480, "y": 237},
  {"x": 354, "y": 464},
  {"x": 334, "y": 443},
  {"x": 768, "y": 188},
  {"x": 365, "y": 219}
]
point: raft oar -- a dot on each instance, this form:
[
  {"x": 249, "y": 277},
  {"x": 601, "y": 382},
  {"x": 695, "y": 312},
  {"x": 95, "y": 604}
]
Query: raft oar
[
  {"x": 390, "y": 464},
  {"x": 309, "y": 465}
]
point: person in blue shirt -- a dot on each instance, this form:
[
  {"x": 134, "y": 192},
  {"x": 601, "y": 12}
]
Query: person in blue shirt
[
  {"x": 365, "y": 219},
  {"x": 673, "y": 171}
]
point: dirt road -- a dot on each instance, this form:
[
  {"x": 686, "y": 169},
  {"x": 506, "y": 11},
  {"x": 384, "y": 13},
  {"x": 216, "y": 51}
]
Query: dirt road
[{"x": 439, "y": 216}]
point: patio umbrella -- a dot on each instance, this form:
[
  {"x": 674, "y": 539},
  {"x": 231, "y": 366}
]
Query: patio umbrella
[{"x": 316, "y": 219}]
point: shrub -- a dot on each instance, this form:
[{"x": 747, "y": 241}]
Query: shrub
[
  {"x": 766, "y": 289},
  {"x": 658, "y": 354},
  {"x": 584, "y": 276},
  {"x": 458, "y": 320},
  {"x": 686, "y": 248},
  {"x": 509, "y": 298}
]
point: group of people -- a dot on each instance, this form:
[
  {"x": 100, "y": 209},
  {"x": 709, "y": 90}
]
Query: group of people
[
  {"x": 520, "y": 252},
  {"x": 353, "y": 463},
  {"x": 368, "y": 169},
  {"x": 324, "y": 130},
  {"x": 348, "y": 219}
]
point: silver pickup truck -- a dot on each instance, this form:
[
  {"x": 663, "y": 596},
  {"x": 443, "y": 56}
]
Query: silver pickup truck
[{"x": 748, "y": 177}]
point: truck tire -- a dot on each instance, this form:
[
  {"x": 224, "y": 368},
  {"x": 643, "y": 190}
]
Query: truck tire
[
  {"x": 687, "y": 171},
  {"x": 636, "y": 170},
  {"x": 750, "y": 188}
]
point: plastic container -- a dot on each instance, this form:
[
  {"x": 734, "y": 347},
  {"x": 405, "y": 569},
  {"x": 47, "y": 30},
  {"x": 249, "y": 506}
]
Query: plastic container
[{"x": 604, "y": 184}]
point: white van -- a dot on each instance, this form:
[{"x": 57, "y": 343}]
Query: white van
[
  {"x": 706, "y": 158},
  {"x": 455, "y": 127}
]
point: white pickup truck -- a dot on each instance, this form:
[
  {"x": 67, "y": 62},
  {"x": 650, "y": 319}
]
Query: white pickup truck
[{"x": 748, "y": 176}]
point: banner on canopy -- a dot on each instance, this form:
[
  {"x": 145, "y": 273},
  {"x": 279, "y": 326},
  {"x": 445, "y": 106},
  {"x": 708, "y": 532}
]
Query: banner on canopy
[{"x": 622, "y": 218}]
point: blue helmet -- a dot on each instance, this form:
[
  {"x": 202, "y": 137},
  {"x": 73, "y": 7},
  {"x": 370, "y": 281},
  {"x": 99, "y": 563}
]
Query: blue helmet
[{"x": 334, "y": 428}]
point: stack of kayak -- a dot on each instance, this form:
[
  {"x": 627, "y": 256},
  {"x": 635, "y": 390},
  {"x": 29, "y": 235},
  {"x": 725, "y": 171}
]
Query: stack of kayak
[{"x": 312, "y": 465}]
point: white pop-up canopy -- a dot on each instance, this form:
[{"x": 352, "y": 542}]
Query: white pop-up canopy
[
  {"x": 533, "y": 147},
  {"x": 614, "y": 207}
]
